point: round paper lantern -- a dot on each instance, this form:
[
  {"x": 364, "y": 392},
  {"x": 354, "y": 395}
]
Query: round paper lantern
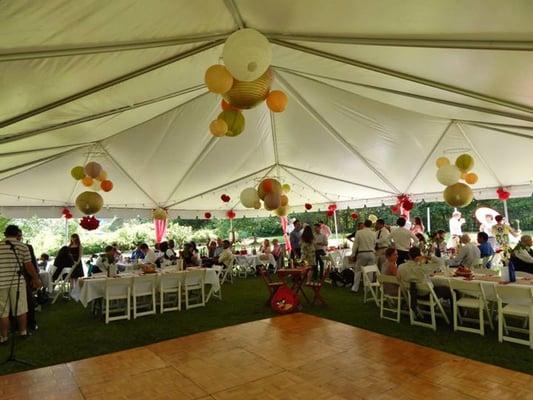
[
  {"x": 332, "y": 207},
  {"x": 102, "y": 176},
  {"x": 218, "y": 79},
  {"x": 284, "y": 200},
  {"x": 96, "y": 186},
  {"x": 308, "y": 206},
  {"x": 159, "y": 213},
  {"x": 471, "y": 178},
  {"x": 218, "y": 127},
  {"x": 87, "y": 181},
  {"x": 503, "y": 194},
  {"x": 93, "y": 169},
  {"x": 276, "y": 101},
  {"x": 247, "y": 54},
  {"x": 272, "y": 201},
  {"x": 245, "y": 95},
  {"x": 448, "y": 175},
  {"x": 257, "y": 205},
  {"x": 286, "y": 188},
  {"x": 372, "y": 218},
  {"x": 234, "y": 120},
  {"x": 458, "y": 195},
  {"x": 227, "y": 106},
  {"x": 89, "y": 203},
  {"x": 465, "y": 162},
  {"x": 106, "y": 186},
  {"x": 442, "y": 161},
  {"x": 207, "y": 215},
  {"x": 282, "y": 211},
  {"x": 225, "y": 198},
  {"x": 78, "y": 172},
  {"x": 231, "y": 214},
  {"x": 354, "y": 216},
  {"x": 268, "y": 185},
  {"x": 249, "y": 197}
]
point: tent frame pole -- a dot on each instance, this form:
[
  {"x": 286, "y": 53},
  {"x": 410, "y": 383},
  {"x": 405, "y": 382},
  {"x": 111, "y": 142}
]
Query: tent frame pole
[{"x": 306, "y": 184}]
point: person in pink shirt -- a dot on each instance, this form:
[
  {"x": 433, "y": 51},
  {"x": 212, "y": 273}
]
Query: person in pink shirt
[
  {"x": 276, "y": 249},
  {"x": 324, "y": 229},
  {"x": 418, "y": 226}
]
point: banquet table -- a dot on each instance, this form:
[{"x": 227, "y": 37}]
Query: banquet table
[
  {"x": 94, "y": 287},
  {"x": 251, "y": 261},
  {"x": 341, "y": 258}
]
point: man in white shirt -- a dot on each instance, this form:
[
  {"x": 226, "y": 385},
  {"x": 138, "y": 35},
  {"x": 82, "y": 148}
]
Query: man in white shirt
[
  {"x": 321, "y": 245},
  {"x": 469, "y": 254},
  {"x": 106, "y": 262},
  {"x": 363, "y": 247},
  {"x": 455, "y": 228},
  {"x": 382, "y": 241},
  {"x": 402, "y": 239},
  {"x": 226, "y": 257},
  {"x": 522, "y": 255},
  {"x": 149, "y": 255}
]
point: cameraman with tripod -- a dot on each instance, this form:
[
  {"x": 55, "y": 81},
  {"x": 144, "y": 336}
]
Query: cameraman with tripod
[{"x": 14, "y": 260}]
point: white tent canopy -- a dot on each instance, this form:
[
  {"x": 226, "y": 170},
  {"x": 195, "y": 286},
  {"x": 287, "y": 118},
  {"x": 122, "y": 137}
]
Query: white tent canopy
[{"x": 377, "y": 91}]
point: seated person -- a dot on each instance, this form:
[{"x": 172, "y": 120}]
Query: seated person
[
  {"x": 150, "y": 258},
  {"x": 468, "y": 255},
  {"x": 485, "y": 248},
  {"x": 106, "y": 262},
  {"x": 116, "y": 252},
  {"x": 418, "y": 269},
  {"x": 62, "y": 261},
  {"x": 522, "y": 255},
  {"x": 276, "y": 249},
  {"x": 42, "y": 264},
  {"x": 265, "y": 247},
  {"x": 390, "y": 267},
  {"x": 226, "y": 258},
  {"x": 219, "y": 247},
  {"x": 137, "y": 253},
  {"x": 170, "y": 254},
  {"x": 211, "y": 248},
  {"x": 439, "y": 243},
  {"x": 163, "y": 260}
]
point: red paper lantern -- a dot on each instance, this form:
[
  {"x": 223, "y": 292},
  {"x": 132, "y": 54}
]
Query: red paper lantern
[
  {"x": 225, "y": 198},
  {"x": 503, "y": 194},
  {"x": 66, "y": 213},
  {"x": 308, "y": 206},
  {"x": 207, "y": 215},
  {"x": 231, "y": 214},
  {"x": 332, "y": 207},
  {"x": 89, "y": 223},
  {"x": 330, "y": 213},
  {"x": 354, "y": 216}
]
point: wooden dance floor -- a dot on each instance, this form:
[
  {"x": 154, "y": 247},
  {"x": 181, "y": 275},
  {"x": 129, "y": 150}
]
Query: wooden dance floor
[{"x": 291, "y": 357}]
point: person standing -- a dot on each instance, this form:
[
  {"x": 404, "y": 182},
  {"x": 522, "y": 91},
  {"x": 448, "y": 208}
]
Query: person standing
[
  {"x": 14, "y": 256},
  {"x": 363, "y": 247},
  {"x": 324, "y": 229},
  {"x": 30, "y": 299},
  {"x": 382, "y": 241},
  {"x": 456, "y": 231},
  {"x": 487, "y": 228},
  {"x": 76, "y": 250},
  {"x": 402, "y": 239},
  {"x": 418, "y": 226},
  {"x": 501, "y": 231},
  {"x": 321, "y": 245},
  {"x": 295, "y": 238},
  {"x": 307, "y": 246}
]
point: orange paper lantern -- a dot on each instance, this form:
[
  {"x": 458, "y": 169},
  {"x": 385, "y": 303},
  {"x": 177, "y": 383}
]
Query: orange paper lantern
[
  {"x": 218, "y": 127},
  {"x": 106, "y": 186},
  {"x": 268, "y": 186},
  {"x": 284, "y": 200},
  {"x": 87, "y": 181},
  {"x": 276, "y": 101},
  {"x": 471, "y": 178},
  {"x": 218, "y": 79}
]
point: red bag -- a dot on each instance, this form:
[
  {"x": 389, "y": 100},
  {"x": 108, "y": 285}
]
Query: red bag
[{"x": 284, "y": 300}]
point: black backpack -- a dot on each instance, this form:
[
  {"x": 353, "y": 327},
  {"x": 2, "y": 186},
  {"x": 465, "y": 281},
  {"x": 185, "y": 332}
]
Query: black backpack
[{"x": 343, "y": 278}]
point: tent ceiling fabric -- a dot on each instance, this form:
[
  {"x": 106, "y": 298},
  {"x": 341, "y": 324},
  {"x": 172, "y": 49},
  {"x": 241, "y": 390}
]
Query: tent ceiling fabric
[{"x": 377, "y": 91}]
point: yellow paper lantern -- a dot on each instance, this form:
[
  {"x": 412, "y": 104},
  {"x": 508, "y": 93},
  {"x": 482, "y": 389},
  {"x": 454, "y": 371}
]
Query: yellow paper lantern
[
  {"x": 87, "y": 181},
  {"x": 282, "y": 211},
  {"x": 93, "y": 169},
  {"x": 441, "y": 161},
  {"x": 268, "y": 185},
  {"x": 78, "y": 172},
  {"x": 471, "y": 178},
  {"x": 276, "y": 101},
  {"x": 249, "y": 198},
  {"x": 218, "y": 79},
  {"x": 373, "y": 218},
  {"x": 159, "y": 213},
  {"x": 448, "y": 175},
  {"x": 247, "y": 54},
  {"x": 465, "y": 162},
  {"x": 284, "y": 200},
  {"x": 458, "y": 195},
  {"x": 245, "y": 95},
  {"x": 89, "y": 203},
  {"x": 235, "y": 121},
  {"x": 218, "y": 127},
  {"x": 102, "y": 176},
  {"x": 286, "y": 188},
  {"x": 272, "y": 201}
]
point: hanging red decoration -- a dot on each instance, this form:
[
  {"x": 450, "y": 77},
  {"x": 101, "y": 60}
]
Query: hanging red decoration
[
  {"x": 330, "y": 213},
  {"x": 354, "y": 216},
  {"x": 67, "y": 213},
  {"x": 408, "y": 205},
  {"x": 89, "y": 223},
  {"x": 207, "y": 215},
  {"x": 225, "y": 198},
  {"x": 231, "y": 214},
  {"x": 332, "y": 207},
  {"x": 308, "y": 206},
  {"x": 503, "y": 194}
]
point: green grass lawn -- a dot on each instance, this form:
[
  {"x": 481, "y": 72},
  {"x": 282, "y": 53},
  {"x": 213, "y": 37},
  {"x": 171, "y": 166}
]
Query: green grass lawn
[{"x": 69, "y": 332}]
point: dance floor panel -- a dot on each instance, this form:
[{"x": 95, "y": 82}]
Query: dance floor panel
[{"x": 297, "y": 356}]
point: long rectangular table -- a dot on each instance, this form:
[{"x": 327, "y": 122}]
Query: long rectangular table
[{"x": 93, "y": 288}]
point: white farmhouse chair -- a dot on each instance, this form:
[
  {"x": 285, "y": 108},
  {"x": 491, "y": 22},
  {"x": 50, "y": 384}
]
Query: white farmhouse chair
[
  {"x": 370, "y": 283},
  {"x": 469, "y": 295},
  {"x": 386, "y": 299},
  {"x": 517, "y": 302},
  {"x": 170, "y": 289},
  {"x": 144, "y": 286},
  {"x": 194, "y": 281},
  {"x": 432, "y": 303},
  {"x": 115, "y": 291}
]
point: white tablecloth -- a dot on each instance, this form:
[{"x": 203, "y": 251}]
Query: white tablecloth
[
  {"x": 253, "y": 261},
  {"x": 341, "y": 257},
  {"x": 94, "y": 287}
]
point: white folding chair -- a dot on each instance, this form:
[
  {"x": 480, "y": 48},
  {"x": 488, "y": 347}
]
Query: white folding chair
[
  {"x": 170, "y": 289},
  {"x": 226, "y": 275},
  {"x": 62, "y": 283},
  {"x": 144, "y": 286},
  {"x": 116, "y": 290},
  {"x": 432, "y": 303},
  {"x": 218, "y": 294},
  {"x": 194, "y": 281},
  {"x": 470, "y": 296},
  {"x": 390, "y": 298},
  {"x": 179, "y": 264},
  {"x": 517, "y": 302},
  {"x": 370, "y": 283}
]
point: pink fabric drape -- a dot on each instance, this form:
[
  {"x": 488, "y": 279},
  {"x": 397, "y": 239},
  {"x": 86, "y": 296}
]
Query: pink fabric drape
[
  {"x": 160, "y": 229},
  {"x": 284, "y": 222}
]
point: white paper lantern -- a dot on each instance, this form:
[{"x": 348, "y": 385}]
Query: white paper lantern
[
  {"x": 249, "y": 197},
  {"x": 247, "y": 54},
  {"x": 448, "y": 175},
  {"x": 96, "y": 186}
]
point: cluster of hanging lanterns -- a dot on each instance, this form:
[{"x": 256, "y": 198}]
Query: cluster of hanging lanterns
[
  {"x": 457, "y": 194},
  {"x": 94, "y": 178},
  {"x": 271, "y": 193},
  {"x": 243, "y": 81}
]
